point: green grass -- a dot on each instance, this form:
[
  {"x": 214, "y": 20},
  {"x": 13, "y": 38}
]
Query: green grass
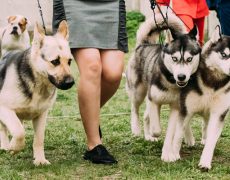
[{"x": 138, "y": 159}]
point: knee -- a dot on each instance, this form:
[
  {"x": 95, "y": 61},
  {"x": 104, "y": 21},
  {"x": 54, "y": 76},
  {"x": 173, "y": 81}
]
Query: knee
[
  {"x": 92, "y": 68},
  {"x": 113, "y": 74}
]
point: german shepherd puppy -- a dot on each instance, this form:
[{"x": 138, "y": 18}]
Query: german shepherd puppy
[
  {"x": 28, "y": 82},
  {"x": 208, "y": 96}
]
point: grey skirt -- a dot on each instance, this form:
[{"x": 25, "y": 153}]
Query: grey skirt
[{"x": 93, "y": 24}]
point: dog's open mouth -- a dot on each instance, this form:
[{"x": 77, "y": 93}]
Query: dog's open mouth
[{"x": 181, "y": 84}]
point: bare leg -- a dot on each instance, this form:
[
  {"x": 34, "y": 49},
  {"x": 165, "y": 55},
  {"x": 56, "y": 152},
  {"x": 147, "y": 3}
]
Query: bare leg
[
  {"x": 100, "y": 75},
  {"x": 89, "y": 90},
  {"x": 112, "y": 68}
]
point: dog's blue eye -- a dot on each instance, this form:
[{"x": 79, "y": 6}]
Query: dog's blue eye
[
  {"x": 174, "y": 59},
  {"x": 189, "y": 59},
  {"x": 55, "y": 62},
  {"x": 223, "y": 55}
]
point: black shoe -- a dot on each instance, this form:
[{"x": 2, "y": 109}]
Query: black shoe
[{"x": 99, "y": 155}]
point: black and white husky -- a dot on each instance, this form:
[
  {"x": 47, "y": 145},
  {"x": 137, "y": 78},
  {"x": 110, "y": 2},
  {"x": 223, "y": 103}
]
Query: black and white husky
[
  {"x": 28, "y": 82},
  {"x": 160, "y": 72},
  {"x": 208, "y": 95}
]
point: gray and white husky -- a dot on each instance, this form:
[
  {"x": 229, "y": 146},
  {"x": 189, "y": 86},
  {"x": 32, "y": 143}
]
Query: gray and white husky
[
  {"x": 160, "y": 72},
  {"x": 28, "y": 82},
  {"x": 208, "y": 95}
]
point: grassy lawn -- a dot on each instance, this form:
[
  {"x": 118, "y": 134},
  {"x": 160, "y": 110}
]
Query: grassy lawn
[{"x": 138, "y": 159}]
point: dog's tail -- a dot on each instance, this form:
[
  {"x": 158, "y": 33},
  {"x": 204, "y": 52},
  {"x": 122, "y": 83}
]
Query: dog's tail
[{"x": 149, "y": 30}]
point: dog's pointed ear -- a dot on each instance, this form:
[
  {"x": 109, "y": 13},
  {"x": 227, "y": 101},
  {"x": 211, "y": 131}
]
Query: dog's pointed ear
[
  {"x": 11, "y": 18},
  {"x": 175, "y": 34},
  {"x": 216, "y": 35},
  {"x": 39, "y": 33},
  {"x": 63, "y": 29},
  {"x": 193, "y": 32}
]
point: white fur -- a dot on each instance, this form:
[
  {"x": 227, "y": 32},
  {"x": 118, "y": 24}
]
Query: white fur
[
  {"x": 11, "y": 42},
  {"x": 15, "y": 106},
  {"x": 149, "y": 25},
  {"x": 211, "y": 105}
]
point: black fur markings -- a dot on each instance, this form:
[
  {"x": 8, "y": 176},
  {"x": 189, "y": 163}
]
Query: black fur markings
[
  {"x": 223, "y": 115},
  {"x": 2, "y": 74},
  {"x": 168, "y": 75},
  {"x": 25, "y": 75},
  {"x": 210, "y": 80}
]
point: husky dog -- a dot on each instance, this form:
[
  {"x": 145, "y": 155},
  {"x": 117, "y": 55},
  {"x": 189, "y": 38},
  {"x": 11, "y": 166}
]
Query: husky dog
[
  {"x": 28, "y": 82},
  {"x": 208, "y": 95},
  {"x": 15, "y": 35},
  {"x": 160, "y": 72}
]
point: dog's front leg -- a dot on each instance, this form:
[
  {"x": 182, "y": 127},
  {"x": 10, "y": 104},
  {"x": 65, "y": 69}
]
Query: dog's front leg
[
  {"x": 167, "y": 150},
  {"x": 38, "y": 144},
  {"x": 181, "y": 126},
  {"x": 4, "y": 139},
  {"x": 214, "y": 129},
  {"x": 15, "y": 127}
]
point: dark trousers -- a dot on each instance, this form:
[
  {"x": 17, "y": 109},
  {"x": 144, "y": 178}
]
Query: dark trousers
[{"x": 223, "y": 12}]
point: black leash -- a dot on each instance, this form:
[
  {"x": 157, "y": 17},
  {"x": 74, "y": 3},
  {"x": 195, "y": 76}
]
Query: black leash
[
  {"x": 40, "y": 10},
  {"x": 153, "y": 4}
]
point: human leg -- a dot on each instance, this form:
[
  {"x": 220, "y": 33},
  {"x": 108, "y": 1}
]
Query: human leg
[
  {"x": 89, "y": 90},
  {"x": 200, "y": 25},
  {"x": 89, "y": 93},
  {"x": 112, "y": 68}
]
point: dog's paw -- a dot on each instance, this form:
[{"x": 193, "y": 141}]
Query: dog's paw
[
  {"x": 205, "y": 162},
  {"x": 38, "y": 162},
  {"x": 136, "y": 131},
  {"x": 205, "y": 167},
  {"x": 203, "y": 141},
  {"x": 16, "y": 145},
  {"x": 155, "y": 132},
  {"x": 189, "y": 141},
  {"x": 5, "y": 147},
  {"x": 168, "y": 156},
  {"x": 151, "y": 138}
]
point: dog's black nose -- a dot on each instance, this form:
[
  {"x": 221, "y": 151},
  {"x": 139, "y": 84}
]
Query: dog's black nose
[
  {"x": 15, "y": 28},
  {"x": 181, "y": 77},
  {"x": 67, "y": 83}
]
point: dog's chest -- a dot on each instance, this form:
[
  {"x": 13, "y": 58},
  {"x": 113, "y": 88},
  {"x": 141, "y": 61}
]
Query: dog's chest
[
  {"x": 209, "y": 101},
  {"x": 164, "y": 97},
  {"x": 36, "y": 106}
]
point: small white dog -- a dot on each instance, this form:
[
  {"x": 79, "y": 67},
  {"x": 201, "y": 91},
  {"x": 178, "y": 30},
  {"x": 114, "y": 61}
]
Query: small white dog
[{"x": 15, "y": 35}]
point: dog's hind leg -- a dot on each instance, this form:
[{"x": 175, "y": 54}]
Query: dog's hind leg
[
  {"x": 15, "y": 127},
  {"x": 38, "y": 144},
  {"x": 188, "y": 136},
  {"x": 204, "y": 130},
  {"x": 4, "y": 139},
  {"x": 151, "y": 124},
  {"x": 154, "y": 118},
  {"x": 137, "y": 96}
]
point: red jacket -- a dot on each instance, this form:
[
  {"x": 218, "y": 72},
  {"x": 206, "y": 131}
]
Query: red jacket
[{"x": 194, "y": 8}]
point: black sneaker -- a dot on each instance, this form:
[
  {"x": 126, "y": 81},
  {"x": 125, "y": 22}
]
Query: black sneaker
[{"x": 99, "y": 155}]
